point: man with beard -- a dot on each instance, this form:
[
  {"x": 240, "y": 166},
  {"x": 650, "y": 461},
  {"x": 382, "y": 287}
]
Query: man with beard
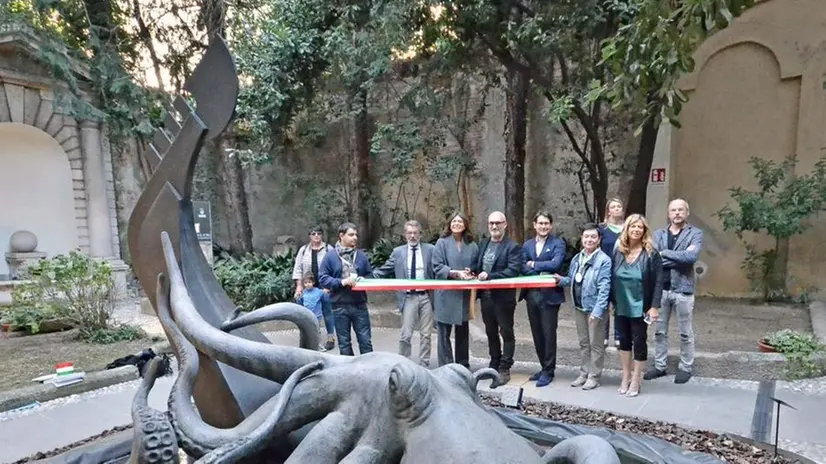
[
  {"x": 679, "y": 245},
  {"x": 499, "y": 258},
  {"x": 339, "y": 271}
]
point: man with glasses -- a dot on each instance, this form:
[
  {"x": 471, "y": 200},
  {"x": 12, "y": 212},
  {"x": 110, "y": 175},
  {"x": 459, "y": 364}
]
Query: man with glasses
[
  {"x": 306, "y": 262},
  {"x": 499, "y": 258},
  {"x": 412, "y": 261}
]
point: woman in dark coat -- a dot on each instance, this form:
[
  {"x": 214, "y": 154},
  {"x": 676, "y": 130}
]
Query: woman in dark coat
[{"x": 453, "y": 257}]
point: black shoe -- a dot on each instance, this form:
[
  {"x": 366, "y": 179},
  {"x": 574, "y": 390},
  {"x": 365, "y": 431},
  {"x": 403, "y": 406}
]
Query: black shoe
[
  {"x": 654, "y": 373},
  {"x": 535, "y": 377},
  {"x": 682, "y": 376}
]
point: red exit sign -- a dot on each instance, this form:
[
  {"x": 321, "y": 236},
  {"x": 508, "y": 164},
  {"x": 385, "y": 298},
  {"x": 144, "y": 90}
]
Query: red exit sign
[{"x": 658, "y": 175}]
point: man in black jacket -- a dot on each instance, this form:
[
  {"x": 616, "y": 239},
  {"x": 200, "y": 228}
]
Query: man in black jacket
[{"x": 499, "y": 258}]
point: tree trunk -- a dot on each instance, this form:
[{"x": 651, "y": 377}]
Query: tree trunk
[
  {"x": 234, "y": 196},
  {"x": 516, "y": 129},
  {"x": 637, "y": 197},
  {"x": 361, "y": 148}
]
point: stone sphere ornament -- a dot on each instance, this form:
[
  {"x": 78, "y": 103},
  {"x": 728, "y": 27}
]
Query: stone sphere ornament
[{"x": 23, "y": 241}]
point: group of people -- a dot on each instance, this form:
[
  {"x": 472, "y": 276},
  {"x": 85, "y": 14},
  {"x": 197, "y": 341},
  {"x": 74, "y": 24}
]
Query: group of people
[{"x": 624, "y": 269}]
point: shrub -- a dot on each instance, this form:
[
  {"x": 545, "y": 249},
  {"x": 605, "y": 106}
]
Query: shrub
[
  {"x": 73, "y": 287},
  {"x": 256, "y": 279},
  {"x": 801, "y": 352}
]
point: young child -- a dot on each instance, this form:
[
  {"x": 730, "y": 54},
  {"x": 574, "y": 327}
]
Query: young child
[{"x": 311, "y": 299}]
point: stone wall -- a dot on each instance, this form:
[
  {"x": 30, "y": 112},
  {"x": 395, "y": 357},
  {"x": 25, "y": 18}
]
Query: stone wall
[
  {"x": 757, "y": 90},
  {"x": 284, "y": 193}
]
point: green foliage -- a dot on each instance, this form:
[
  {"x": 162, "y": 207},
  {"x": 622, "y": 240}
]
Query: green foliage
[
  {"x": 256, "y": 279},
  {"x": 380, "y": 252},
  {"x": 780, "y": 207},
  {"x": 73, "y": 286},
  {"x": 653, "y": 46},
  {"x": 119, "y": 333},
  {"x": 88, "y": 49},
  {"x": 804, "y": 353}
]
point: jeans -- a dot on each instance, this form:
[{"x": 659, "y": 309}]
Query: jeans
[
  {"x": 544, "y": 319},
  {"x": 498, "y": 318},
  {"x": 357, "y": 317},
  {"x": 327, "y": 311},
  {"x": 683, "y": 305}
]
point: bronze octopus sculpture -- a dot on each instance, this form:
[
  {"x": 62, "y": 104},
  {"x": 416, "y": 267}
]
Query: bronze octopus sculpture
[{"x": 374, "y": 408}]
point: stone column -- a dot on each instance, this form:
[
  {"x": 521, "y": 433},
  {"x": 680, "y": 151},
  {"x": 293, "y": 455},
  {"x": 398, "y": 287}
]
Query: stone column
[{"x": 97, "y": 207}]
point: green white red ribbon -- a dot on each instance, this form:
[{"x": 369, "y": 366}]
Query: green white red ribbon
[{"x": 384, "y": 285}]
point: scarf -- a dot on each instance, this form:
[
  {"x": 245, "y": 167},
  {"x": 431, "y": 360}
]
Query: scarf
[{"x": 348, "y": 260}]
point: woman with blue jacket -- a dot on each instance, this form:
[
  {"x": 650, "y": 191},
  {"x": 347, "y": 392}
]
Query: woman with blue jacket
[{"x": 589, "y": 277}]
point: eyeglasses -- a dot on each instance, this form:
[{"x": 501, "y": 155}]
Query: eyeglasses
[
  {"x": 495, "y": 223},
  {"x": 315, "y": 233}
]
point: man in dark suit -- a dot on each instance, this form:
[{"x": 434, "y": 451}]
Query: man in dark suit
[
  {"x": 543, "y": 254},
  {"x": 412, "y": 260},
  {"x": 499, "y": 258}
]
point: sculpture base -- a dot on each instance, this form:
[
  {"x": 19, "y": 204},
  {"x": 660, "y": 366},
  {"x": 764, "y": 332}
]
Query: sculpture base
[
  {"x": 18, "y": 262},
  {"x": 114, "y": 446}
]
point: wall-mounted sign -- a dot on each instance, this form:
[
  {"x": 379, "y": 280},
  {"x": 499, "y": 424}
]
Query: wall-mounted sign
[
  {"x": 203, "y": 220},
  {"x": 202, "y": 214},
  {"x": 658, "y": 176}
]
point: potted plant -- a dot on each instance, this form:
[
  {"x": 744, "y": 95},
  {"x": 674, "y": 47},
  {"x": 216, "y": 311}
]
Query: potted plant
[{"x": 803, "y": 352}]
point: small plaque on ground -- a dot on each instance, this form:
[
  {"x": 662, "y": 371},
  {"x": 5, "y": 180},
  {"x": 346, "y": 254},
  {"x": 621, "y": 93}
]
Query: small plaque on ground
[{"x": 511, "y": 396}]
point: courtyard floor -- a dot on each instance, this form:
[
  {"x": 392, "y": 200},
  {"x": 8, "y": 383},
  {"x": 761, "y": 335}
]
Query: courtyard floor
[{"x": 696, "y": 405}]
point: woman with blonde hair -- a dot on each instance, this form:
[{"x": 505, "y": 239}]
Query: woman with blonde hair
[
  {"x": 609, "y": 230},
  {"x": 636, "y": 292}
]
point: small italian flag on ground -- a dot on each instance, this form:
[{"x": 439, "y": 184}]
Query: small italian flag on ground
[{"x": 64, "y": 368}]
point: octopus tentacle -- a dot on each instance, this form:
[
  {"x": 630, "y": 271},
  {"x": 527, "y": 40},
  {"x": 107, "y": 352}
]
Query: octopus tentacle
[
  {"x": 336, "y": 434},
  {"x": 273, "y": 362},
  {"x": 486, "y": 373},
  {"x": 364, "y": 455},
  {"x": 154, "y": 437},
  {"x": 233, "y": 452},
  {"x": 297, "y": 314},
  {"x": 583, "y": 449},
  {"x": 196, "y": 437}
]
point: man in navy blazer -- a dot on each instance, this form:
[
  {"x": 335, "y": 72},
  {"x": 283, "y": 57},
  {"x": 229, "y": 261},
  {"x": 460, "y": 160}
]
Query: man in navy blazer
[
  {"x": 339, "y": 270},
  {"x": 543, "y": 254}
]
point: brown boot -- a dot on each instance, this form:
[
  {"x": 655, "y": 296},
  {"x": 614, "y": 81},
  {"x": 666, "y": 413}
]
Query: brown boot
[{"x": 636, "y": 379}]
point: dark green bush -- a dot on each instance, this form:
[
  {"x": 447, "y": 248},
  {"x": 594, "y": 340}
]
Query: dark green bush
[{"x": 256, "y": 279}]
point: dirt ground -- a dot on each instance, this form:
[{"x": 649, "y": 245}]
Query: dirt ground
[
  {"x": 23, "y": 358},
  {"x": 720, "y": 325}
]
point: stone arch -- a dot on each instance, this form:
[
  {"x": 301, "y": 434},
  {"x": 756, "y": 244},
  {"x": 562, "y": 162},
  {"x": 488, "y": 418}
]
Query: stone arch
[
  {"x": 772, "y": 39},
  {"x": 32, "y": 104},
  {"x": 36, "y": 186}
]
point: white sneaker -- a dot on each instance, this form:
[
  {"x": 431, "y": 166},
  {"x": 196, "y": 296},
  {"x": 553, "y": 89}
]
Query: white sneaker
[
  {"x": 580, "y": 381},
  {"x": 590, "y": 384}
]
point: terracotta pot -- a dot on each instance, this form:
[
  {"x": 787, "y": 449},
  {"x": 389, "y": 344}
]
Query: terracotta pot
[
  {"x": 5, "y": 327},
  {"x": 764, "y": 346}
]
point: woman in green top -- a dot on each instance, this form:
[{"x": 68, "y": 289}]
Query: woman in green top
[{"x": 636, "y": 292}]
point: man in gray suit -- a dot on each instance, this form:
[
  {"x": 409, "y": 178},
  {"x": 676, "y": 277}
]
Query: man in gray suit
[{"x": 412, "y": 261}]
